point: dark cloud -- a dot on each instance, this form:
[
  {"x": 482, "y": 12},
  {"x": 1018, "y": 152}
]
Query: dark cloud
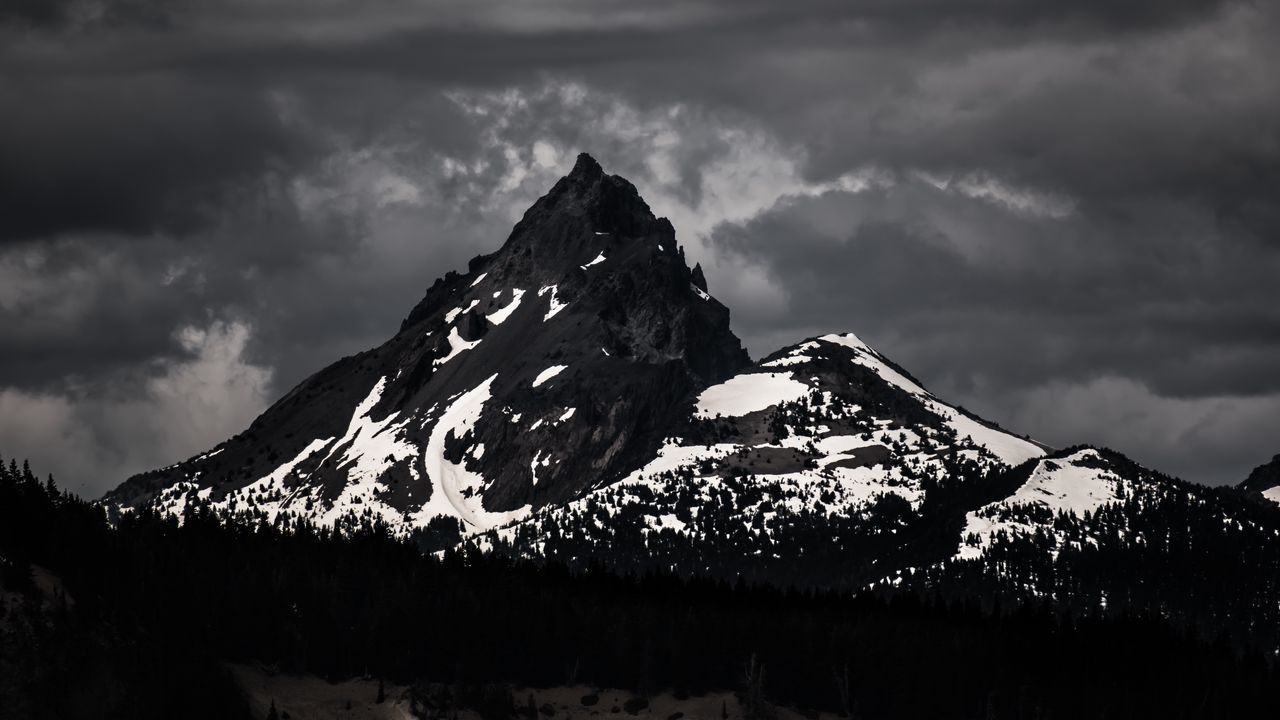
[
  {"x": 1069, "y": 202},
  {"x": 992, "y": 307},
  {"x": 135, "y": 155},
  {"x": 61, "y": 15}
]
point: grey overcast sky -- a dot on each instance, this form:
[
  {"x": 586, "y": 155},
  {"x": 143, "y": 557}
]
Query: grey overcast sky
[{"x": 1062, "y": 214}]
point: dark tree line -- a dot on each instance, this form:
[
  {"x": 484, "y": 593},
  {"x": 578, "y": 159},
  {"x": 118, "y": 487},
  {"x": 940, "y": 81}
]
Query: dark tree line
[
  {"x": 1205, "y": 558},
  {"x": 145, "y": 611}
]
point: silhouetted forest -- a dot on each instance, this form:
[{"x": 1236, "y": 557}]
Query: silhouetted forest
[{"x": 134, "y": 621}]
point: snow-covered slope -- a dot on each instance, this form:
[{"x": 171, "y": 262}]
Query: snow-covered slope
[
  {"x": 827, "y": 431},
  {"x": 1076, "y": 485}
]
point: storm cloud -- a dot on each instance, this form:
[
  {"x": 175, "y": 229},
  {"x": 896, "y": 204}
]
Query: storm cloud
[{"x": 1060, "y": 214}]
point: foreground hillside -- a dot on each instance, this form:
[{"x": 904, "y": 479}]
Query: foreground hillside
[{"x": 148, "y": 613}]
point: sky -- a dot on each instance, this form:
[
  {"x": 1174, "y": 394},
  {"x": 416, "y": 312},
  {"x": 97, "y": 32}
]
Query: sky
[{"x": 1059, "y": 214}]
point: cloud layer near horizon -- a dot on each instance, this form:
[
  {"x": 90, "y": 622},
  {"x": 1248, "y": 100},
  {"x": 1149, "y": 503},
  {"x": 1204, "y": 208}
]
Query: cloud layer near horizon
[{"x": 1059, "y": 214}]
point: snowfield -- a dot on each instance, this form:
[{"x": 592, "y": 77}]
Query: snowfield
[
  {"x": 1061, "y": 486},
  {"x": 752, "y": 392}
]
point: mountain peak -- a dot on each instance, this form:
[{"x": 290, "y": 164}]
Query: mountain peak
[
  {"x": 553, "y": 365},
  {"x": 587, "y": 204},
  {"x": 586, "y": 168}
]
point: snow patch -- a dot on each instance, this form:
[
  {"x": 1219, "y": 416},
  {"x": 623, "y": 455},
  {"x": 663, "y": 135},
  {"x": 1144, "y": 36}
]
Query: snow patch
[
  {"x": 598, "y": 259},
  {"x": 787, "y": 361},
  {"x": 748, "y": 393},
  {"x": 479, "y": 277},
  {"x": 497, "y": 316},
  {"x": 555, "y": 305},
  {"x": 449, "y": 316},
  {"x": 538, "y": 460},
  {"x": 549, "y": 373},
  {"x": 207, "y": 455},
  {"x": 457, "y": 346}
]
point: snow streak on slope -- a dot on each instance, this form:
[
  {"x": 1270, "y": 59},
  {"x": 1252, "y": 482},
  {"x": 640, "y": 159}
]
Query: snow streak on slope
[
  {"x": 366, "y": 450},
  {"x": 371, "y": 448},
  {"x": 270, "y": 494},
  {"x": 549, "y": 373},
  {"x": 454, "y": 488}
]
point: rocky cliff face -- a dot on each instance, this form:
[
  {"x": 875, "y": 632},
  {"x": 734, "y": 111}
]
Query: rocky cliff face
[{"x": 554, "y": 365}]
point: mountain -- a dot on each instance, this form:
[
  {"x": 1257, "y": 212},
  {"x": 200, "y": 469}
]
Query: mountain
[
  {"x": 554, "y": 365},
  {"x": 578, "y": 396},
  {"x": 581, "y": 360},
  {"x": 1264, "y": 481}
]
